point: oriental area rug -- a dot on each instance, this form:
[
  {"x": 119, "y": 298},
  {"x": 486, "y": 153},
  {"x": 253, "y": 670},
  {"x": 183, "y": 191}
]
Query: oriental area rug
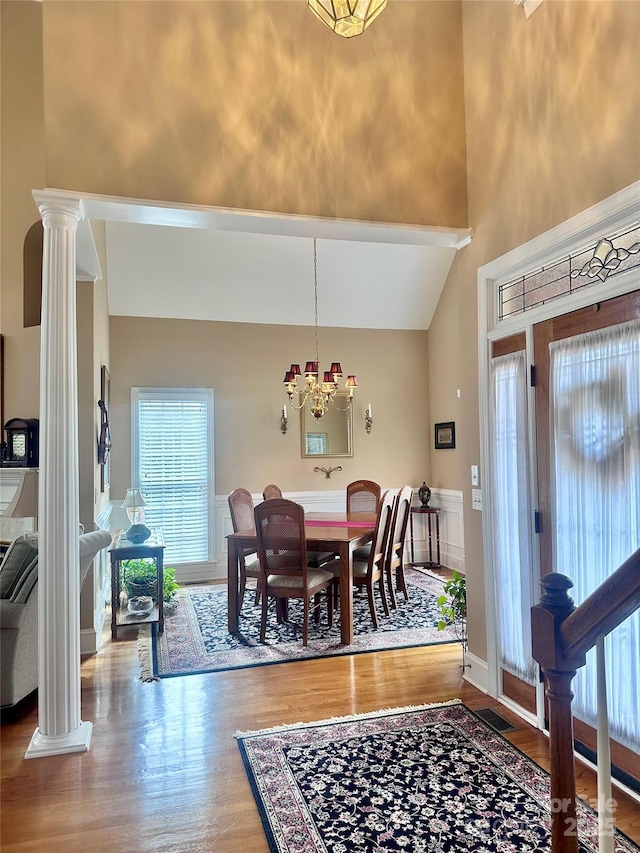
[
  {"x": 428, "y": 779},
  {"x": 196, "y": 639}
]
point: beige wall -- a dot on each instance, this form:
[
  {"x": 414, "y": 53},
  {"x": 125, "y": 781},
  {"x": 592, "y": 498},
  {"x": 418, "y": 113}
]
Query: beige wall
[
  {"x": 22, "y": 156},
  {"x": 244, "y": 364},
  {"x": 257, "y": 105},
  {"x": 210, "y": 103},
  {"x": 551, "y": 129}
]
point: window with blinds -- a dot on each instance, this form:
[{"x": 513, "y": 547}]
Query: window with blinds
[{"x": 172, "y": 465}]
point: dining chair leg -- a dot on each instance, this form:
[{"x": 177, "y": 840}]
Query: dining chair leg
[
  {"x": 330, "y": 605},
  {"x": 392, "y": 592},
  {"x": 383, "y": 595},
  {"x": 401, "y": 582},
  {"x": 243, "y": 586},
  {"x": 305, "y": 623},
  {"x": 372, "y": 607},
  {"x": 263, "y": 620}
]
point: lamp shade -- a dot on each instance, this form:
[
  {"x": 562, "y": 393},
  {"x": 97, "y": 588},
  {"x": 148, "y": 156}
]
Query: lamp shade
[
  {"x": 25, "y": 500},
  {"x": 133, "y": 498}
]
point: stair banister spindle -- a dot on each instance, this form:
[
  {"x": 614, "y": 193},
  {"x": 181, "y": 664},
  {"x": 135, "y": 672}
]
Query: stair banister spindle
[{"x": 605, "y": 803}]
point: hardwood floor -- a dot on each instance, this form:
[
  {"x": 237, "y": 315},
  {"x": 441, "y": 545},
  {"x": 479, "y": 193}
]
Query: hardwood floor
[{"x": 164, "y": 772}]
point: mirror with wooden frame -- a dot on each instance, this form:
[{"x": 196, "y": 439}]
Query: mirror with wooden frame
[{"x": 330, "y": 435}]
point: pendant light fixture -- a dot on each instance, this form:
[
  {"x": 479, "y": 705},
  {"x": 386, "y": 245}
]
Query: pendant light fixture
[
  {"x": 322, "y": 394},
  {"x": 347, "y": 18}
]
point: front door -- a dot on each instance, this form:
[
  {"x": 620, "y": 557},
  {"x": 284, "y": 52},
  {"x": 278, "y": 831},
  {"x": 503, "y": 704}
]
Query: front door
[{"x": 588, "y": 455}]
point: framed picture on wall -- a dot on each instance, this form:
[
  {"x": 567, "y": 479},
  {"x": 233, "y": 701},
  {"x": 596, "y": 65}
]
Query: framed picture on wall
[
  {"x": 104, "y": 438},
  {"x": 445, "y": 435}
]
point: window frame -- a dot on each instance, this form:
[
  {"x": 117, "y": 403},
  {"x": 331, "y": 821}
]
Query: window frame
[{"x": 198, "y": 394}]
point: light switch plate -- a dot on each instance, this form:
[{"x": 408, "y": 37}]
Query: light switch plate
[
  {"x": 475, "y": 478},
  {"x": 476, "y": 499}
]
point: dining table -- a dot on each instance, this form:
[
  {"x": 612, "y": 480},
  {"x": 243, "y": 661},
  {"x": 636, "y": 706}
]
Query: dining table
[{"x": 338, "y": 532}]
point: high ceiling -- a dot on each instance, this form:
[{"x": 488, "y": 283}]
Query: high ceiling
[{"x": 155, "y": 271}]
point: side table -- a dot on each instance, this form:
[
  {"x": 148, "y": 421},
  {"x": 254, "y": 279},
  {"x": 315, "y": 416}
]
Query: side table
[
  {"x": 431, "y": 512},
  {"x": 122, "y": 549}
]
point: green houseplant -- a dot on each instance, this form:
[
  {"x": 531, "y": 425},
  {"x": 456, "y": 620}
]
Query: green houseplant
[
  {"x": 139, "y": 578},
  {"x": 453, "y": 609}
]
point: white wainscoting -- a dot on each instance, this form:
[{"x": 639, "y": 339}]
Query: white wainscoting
[{"x": 451, "y": 530}]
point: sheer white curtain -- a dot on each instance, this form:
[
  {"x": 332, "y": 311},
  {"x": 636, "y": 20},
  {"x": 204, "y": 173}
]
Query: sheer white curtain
[
  {"x": 512, "y": 514},
  {"x": 595, "y": 413}
]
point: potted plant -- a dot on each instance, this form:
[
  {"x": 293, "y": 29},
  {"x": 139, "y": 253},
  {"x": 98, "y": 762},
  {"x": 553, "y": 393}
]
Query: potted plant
[
  {"x": 453, "y": 609},
  {"x": 139, "y": 578}
]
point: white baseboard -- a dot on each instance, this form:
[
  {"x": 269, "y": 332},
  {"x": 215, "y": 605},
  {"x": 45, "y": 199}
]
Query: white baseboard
[{"x": 477, "y": 673}]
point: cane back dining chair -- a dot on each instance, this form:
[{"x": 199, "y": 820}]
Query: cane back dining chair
[
  {"x": 394, "y": 560},
  {"x": 282, "y": 552},
  {"x": 363, "y": 496},
  {"x": 242, "y": 518},
  {"x": 372, "y": 571},
  {"x": 315, "y": 559},
  {"x": 271, "y": 491}
]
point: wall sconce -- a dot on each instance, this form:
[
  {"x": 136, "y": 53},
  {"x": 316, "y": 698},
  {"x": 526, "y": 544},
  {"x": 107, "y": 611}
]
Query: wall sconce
[
  {"x": 368, "y": 419},
  {"x": 283, "y": 420}
]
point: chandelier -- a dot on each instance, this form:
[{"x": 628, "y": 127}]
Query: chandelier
[
  {"x": 321, "y": 394},
  {"x": 347, "y": 17}
]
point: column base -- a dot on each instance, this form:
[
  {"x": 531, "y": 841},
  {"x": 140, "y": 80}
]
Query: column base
[{"x": 42, "y": 746}]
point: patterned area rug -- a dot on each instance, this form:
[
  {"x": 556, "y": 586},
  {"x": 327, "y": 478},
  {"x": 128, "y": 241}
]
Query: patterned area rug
[
  {"x": 433, "y": 778},
  {"x": 196, "y": 639}
]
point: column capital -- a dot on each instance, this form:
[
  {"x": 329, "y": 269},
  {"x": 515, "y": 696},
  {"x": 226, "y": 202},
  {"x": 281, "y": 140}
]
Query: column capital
[{"x": 51, "y": 202}]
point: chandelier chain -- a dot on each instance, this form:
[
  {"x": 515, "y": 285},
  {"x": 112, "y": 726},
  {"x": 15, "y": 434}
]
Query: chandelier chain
[
  {"x": 315, "y": 292},
  {"x": 319, "y": 391}
]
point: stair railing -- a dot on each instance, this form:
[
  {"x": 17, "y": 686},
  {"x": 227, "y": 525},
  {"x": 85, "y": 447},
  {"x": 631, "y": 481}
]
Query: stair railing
[{"x": 561, "y": 636}]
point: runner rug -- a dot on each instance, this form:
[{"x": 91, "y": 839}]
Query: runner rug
[
  {"x": 196, "y": 638},
  {"x": 430, "y": 778}
]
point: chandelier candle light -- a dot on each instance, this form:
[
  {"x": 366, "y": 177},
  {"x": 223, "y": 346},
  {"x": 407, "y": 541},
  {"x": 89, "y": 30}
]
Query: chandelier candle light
[{"x": 322, "y": 393}]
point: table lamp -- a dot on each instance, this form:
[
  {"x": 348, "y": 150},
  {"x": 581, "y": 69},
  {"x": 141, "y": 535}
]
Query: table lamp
[
  {"x": 25, "y": 500},
  {"x": 134, "y": 503}
]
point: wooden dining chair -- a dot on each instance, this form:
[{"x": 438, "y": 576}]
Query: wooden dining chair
[
  {"x": 315, "y": 559},
  {"x": 363, "y": 496},
  {"x": 271, "y": 491},
  {"x": 242, "y": 518},
  {"x": 394, "y": 560},
  {"x": 282, "y": 553},
  {"x": 368, "y": 573}
]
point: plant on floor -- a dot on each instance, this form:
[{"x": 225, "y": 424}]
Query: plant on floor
[
  {"x": 453, "y": 609},
  {"x": 139, "y": 578}
]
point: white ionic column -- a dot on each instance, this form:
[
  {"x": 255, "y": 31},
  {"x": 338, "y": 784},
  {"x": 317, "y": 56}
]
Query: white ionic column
[{"x": 60, "y": 729}]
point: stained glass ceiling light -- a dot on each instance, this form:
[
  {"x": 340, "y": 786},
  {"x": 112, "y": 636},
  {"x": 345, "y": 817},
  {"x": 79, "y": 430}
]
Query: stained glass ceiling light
[{"x": 347, "y": 17}]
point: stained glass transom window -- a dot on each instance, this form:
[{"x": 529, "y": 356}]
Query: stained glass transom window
[{"x": 588, "y": 267}]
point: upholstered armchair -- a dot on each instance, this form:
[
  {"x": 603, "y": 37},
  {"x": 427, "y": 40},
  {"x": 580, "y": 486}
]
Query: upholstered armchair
[{"x": 19, "y": 611}]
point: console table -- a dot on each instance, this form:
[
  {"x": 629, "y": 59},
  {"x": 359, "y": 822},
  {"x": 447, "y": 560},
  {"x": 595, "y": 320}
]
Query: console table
[
  {"x": 122, "y": 549},
  {"x": 431, "y": 513}
]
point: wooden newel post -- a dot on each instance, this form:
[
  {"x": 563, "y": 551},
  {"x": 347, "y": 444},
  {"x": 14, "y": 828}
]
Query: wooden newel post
[{"x": 546, "y": 617}]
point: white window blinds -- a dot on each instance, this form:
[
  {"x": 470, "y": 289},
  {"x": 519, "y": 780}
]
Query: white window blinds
[{"x": 172, "y": 462}]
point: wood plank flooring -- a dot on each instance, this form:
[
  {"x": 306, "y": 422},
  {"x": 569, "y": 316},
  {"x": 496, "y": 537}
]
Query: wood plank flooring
[{"x": 164, "y": 772}]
